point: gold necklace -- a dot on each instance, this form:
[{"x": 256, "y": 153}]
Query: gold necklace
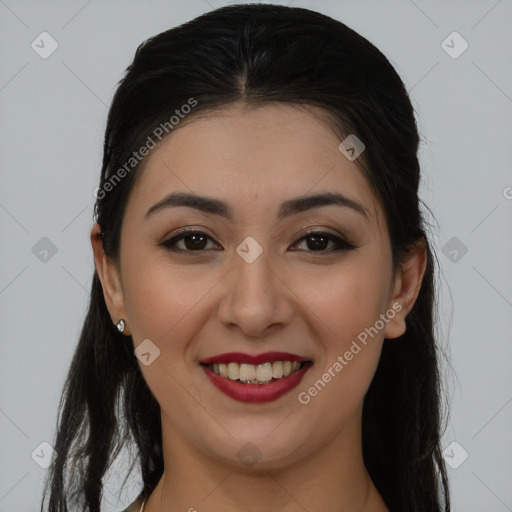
[{"x": 142, "y": 506}]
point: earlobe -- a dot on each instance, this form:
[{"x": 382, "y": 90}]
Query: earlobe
[
  {"x": 407, "y": 285},
  {"x": 109, "y": 276}
]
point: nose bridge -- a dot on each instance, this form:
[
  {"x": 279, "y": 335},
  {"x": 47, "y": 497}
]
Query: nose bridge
[
  {"x": 254, "y": 299},
  {"x": 253, "y": 279}
]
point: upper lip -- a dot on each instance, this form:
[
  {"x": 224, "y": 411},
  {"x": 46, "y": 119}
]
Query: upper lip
[{"x": 240, "y": 357}]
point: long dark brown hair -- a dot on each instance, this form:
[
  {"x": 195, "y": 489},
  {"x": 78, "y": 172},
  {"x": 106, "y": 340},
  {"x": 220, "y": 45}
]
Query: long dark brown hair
[{"x": 260, "y": 54}]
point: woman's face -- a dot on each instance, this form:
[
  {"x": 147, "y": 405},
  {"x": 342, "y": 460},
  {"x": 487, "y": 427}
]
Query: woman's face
[{"x": 252, "y": 282}]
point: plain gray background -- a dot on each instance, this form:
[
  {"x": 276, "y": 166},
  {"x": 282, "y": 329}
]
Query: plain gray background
[{"x": 53, "y": 114}]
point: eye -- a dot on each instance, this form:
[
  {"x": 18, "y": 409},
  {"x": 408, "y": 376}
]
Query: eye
[
  {"x": 320, "y": 240},
  {"x": 196, "y": 241}
]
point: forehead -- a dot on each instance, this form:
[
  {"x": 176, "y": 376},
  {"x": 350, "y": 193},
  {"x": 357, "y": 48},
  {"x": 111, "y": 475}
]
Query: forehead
[{"x": 239, "y": 153}]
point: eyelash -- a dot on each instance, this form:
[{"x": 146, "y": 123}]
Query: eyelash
[{"x": 342, "y": 245}]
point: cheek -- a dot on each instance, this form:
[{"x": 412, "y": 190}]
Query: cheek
[
  {"x": 163, "y": 300},
  {"x": 334, "y": 390},
  {"x": 166, "y": 304},
  {"x": 346, "y": 299},
  {"x": 347, "y": 306}
]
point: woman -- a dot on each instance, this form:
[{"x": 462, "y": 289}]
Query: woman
[{"x": 261, "y": 315}]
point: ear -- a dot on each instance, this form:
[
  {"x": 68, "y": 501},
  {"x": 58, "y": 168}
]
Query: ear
[
  {"x": 406, "y": 287},
  {"x": 110, "y": 280}
]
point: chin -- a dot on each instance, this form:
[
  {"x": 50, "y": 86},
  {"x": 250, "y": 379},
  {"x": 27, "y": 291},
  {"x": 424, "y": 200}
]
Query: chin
[{"x": 260, "y": 452}]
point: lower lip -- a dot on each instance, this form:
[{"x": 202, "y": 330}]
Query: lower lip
[{"x": 256, "y": 392}]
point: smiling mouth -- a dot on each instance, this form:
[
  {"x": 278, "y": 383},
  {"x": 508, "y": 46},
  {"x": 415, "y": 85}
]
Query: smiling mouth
[{"x": 257, "y": 374}]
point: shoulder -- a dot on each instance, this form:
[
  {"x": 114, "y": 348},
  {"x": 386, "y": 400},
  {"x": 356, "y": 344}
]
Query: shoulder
[{"x": 135, "y": 506}]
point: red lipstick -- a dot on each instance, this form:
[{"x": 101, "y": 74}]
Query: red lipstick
[
  {"x": 256, "y": 393},
  {"x": 239, "y": 357}
]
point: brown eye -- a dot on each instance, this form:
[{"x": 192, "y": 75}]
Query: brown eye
[
  {"x": 317, "y": 241},
  {"x": 193, "y": 241}
]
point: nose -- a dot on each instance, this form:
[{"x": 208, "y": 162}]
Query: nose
[{"x": 255, "y": 298}]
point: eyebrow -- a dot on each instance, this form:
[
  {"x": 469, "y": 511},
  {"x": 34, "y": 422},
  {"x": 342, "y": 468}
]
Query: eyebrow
[{"x": 289, "y": 207}]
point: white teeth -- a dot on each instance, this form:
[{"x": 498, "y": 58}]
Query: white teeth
[
  {"x": 264, "y": 372},
  {"x": 223, "y": 369},
  {"x": 247, "y": 372},
  {"x": 256, "y": 374},
  {"x": 233, "y": 370},
  {"x": 277, "y": 369}
]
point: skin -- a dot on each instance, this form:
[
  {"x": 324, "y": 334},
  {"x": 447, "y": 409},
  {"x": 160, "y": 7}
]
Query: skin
[{"x": 308, "y": 301}]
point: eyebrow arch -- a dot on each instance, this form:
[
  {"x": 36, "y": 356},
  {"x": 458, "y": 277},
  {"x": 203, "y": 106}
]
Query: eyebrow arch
[{"x": 289, "y": 207}]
